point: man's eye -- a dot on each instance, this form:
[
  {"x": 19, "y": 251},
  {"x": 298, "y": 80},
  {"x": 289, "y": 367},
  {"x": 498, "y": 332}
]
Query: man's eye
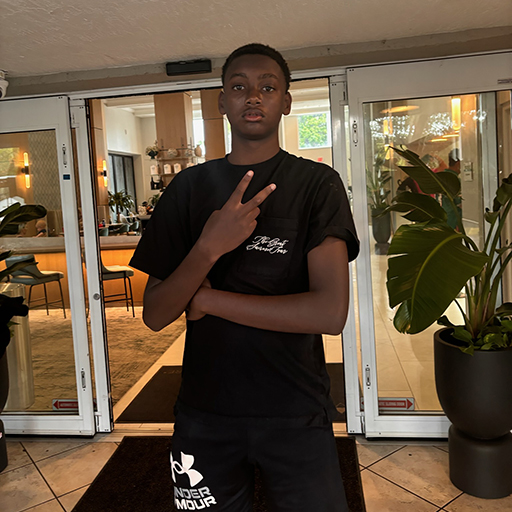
[
  {"x": 268, "y": 88},
  {"x": 238, "y": 87}
]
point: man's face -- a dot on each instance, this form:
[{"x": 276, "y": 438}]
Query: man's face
[{"x": 254, "y": 97}]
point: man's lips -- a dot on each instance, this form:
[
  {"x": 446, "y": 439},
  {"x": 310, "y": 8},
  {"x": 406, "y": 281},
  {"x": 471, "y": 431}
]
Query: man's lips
[{"x": 252, "y": 115}]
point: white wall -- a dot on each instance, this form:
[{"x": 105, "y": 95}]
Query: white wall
[
  {"x": 130, "y": 135},
  {"x": 123, "y": 131}
]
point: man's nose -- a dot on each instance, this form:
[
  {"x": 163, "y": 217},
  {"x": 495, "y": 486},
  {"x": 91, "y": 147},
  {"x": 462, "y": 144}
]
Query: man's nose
[{"x": 253, "y": 96}]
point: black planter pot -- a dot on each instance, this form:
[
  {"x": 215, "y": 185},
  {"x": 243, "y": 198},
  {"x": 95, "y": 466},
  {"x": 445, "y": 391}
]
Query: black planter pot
[
  {"x": 476, "y": 395},
  {"x": 381, "y": 225},
  {"x": 4, "y": 391}
]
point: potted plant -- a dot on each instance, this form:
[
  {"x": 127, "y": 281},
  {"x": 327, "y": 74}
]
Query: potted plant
[
  {"x": 378, "y": 189},
  {"x": 152, "y": 151},
  {"x": 119, "y": 201},
  {"x": 430, "y": 263},
  {"x": 11, "y": 217}
]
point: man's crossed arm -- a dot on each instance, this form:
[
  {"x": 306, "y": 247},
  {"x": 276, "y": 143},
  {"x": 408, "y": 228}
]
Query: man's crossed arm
[{"x": 323, "y": 309}]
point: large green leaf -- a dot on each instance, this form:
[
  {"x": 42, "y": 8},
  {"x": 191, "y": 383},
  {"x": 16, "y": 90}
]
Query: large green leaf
[
  {"x": 17, "y": 214},
  {"x": 420, "y": 208},
  {"x": 429, "y": 265},
  {"x": 444, "y": 182},
  {"x": 430, "y": 182}
]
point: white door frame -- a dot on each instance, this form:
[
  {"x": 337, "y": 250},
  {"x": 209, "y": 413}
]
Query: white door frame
[
  {"x": 53, "y": 114},
  {"x": 338, "y": 101},
  {"x": 104, "y": 408},
  {"x": 338, "y": 98},
  {"x": 445, "y": 77}
]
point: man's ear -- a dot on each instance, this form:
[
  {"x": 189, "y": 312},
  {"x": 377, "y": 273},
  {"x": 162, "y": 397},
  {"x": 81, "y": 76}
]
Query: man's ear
[
  {"x": 222, "y": 110},
  {"x": 287, "y": 103}
]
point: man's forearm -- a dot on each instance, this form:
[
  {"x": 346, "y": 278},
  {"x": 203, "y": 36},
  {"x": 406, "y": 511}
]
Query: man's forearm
[
  {"x": 165, "y": 301},
  {"x": 309, "y": 312}
]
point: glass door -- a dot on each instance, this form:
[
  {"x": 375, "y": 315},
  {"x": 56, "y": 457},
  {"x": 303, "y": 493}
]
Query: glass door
[
  {"x": 445, "y": 111},
  {"x": 48, "y": 357}
]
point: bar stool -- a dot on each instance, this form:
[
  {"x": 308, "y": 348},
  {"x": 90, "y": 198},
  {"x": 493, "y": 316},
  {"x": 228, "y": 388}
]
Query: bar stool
[
  {"x": 30, "y": 275},
  {"x": 113, "y": 272}
]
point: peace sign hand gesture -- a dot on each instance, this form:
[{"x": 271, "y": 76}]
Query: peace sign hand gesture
[{"x": 228, "y": 227}]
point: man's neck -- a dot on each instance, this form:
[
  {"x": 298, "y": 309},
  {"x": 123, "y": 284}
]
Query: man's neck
[{"x": 249, "y": 152}]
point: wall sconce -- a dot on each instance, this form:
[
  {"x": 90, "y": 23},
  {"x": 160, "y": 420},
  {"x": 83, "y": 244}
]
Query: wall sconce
[
  {"x": 26, "y": 170},
  {"x": 456, "y": 123},
  {"x": 105, "y": 177}
]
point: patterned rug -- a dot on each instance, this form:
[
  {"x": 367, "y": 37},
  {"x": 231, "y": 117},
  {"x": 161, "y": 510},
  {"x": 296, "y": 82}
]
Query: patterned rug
[{"x": 132, "y": 348}]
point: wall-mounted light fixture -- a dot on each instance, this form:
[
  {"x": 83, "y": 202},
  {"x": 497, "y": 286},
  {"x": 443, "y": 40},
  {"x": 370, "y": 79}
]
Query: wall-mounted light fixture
[
  {"x": 105, "y": 177},
  {"x": 26, "y": 171},
  {"x": 456, "y": 118}
]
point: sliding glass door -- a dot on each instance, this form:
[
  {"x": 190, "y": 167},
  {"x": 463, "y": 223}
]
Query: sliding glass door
[
  {"x": 48, "y": 357},
  {"x": 446, "y": 112}
]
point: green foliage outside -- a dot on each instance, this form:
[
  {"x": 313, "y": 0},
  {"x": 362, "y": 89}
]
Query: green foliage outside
[{"x": 313, "y": 131}]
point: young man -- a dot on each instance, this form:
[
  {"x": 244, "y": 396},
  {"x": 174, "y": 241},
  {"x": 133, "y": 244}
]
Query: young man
[{"x": 255, "y": 247}]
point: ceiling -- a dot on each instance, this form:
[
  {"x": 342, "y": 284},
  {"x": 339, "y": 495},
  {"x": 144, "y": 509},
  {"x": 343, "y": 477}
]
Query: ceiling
[{"x": 39, "y": 37}]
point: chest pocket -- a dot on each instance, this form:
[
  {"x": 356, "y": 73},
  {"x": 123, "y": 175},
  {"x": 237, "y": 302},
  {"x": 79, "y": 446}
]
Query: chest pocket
[{"x": 267, "y": 253}]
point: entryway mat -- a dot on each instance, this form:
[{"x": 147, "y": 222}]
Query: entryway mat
[
  {"x": 137, "y": 478},
  {"x": 155, "y": 402}
]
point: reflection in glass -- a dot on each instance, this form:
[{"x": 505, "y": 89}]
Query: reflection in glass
[
  {"x": 40, "y": 355},
  {"x": 447, "y": 134}
]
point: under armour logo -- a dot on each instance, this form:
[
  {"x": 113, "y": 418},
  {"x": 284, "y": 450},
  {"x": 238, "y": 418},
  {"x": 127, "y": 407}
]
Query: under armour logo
[{"x": 187, "y": 461}]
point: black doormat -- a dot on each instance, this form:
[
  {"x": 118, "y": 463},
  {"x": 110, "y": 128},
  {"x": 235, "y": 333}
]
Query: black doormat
[
  {"x": 137, "y": 478},
  {"x": 155, "y": 402}
]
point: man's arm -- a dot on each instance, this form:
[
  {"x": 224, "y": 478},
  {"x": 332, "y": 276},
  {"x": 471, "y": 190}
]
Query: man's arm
[
  {"x": 226, "y": 229},
  {"x": 321, "y": 310}
]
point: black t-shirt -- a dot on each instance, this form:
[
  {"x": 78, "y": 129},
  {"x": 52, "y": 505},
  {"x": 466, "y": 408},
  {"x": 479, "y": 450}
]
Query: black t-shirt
[{"x": 231, "y": 369}]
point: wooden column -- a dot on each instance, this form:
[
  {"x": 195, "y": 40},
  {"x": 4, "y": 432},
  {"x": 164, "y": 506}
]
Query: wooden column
[
  {"x": 213, "y": 124},
  {"x": 173, "y": 116},
  {"x": 99, "y": 149}
]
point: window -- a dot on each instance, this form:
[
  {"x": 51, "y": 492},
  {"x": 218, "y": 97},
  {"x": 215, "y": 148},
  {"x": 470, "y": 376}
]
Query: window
[
  {"x": 122, "y": 177},
  {"x": 314, "y": 130}
]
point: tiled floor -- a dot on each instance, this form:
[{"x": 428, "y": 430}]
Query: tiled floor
[{"x": 50, "y": 475}]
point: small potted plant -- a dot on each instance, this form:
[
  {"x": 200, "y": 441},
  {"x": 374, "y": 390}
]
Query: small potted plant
[
  {"x": 119, "y": 201},
  {"x": 378, "y": 189},
  {"x": 430, "y": 263},
  {"x": 152, "y": 151}
]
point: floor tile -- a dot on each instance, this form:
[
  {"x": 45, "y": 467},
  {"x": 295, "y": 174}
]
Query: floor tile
[
  {"x": 49, "y": 506},
  {"x": 422, "y": 470},
  {"x": 76, "y": 468},
  {"x": 368, "y": 454},
  {"x": 23, "y": 488},
  {"x": 16, "y": 456},
  {"x": 68, "y": 501},
  {"x": 443, "y": 447},
  {"x": 383, "y": 496},
  {"x": 39, "y": 450},
  {"x": 467, "y": 503}
]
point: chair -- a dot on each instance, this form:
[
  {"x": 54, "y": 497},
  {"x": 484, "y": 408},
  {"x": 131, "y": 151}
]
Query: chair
[
  {"x": 30, "y": 275},
  {"x": 134, "y": 227},
  {"x": 113, "y": 272},
  {"x": 119, "y": 229}
]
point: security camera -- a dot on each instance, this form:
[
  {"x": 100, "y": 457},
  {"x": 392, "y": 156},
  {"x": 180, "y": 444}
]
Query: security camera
[{"x": 3, "y": 85}]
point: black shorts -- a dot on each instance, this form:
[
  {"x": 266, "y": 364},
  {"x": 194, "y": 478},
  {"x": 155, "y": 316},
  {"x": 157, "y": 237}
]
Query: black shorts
[{"x": 212, "y": 467}]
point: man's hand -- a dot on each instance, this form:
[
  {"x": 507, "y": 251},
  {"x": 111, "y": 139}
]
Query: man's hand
[
  {"x": 194, "y": 311},
  {"x": 228, "y": 227}
]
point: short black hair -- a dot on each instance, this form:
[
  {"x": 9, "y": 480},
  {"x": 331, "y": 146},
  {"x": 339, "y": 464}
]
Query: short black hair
[{"x": 259, "y": 49}]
